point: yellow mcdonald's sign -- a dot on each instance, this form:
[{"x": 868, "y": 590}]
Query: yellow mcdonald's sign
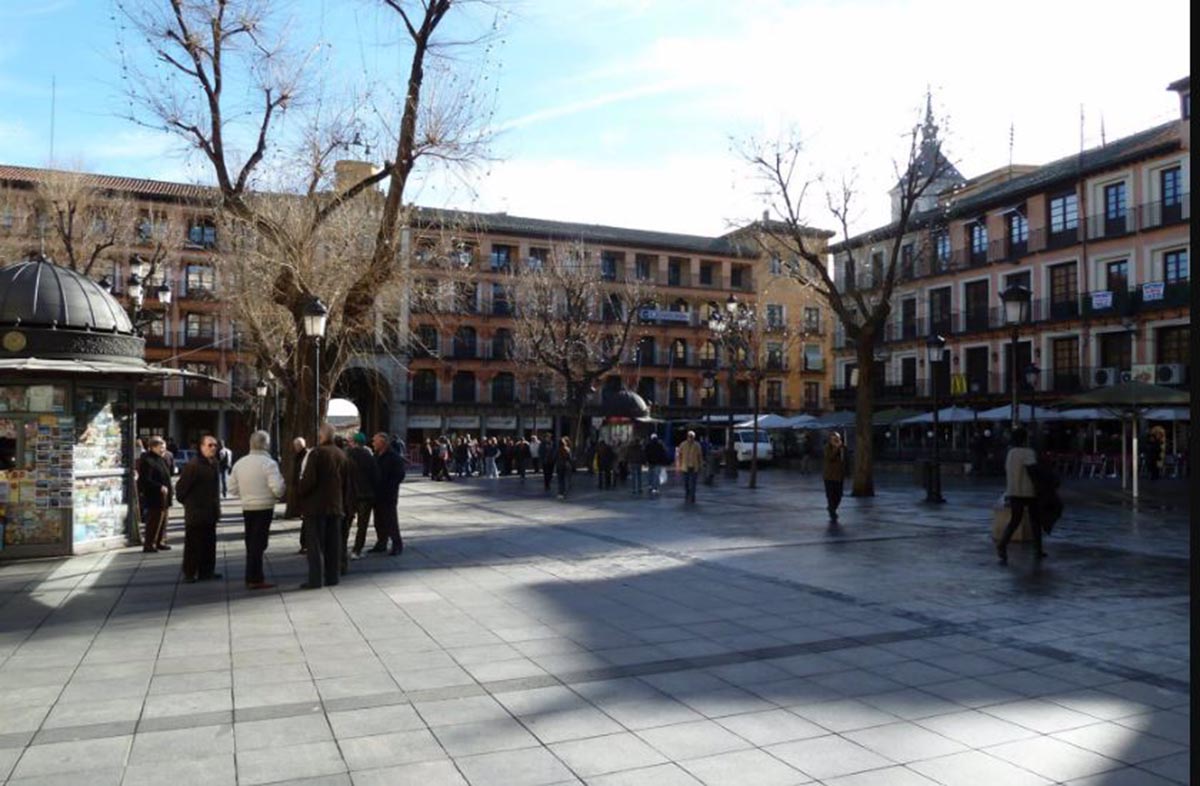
[{"x": 958, "y": 384}]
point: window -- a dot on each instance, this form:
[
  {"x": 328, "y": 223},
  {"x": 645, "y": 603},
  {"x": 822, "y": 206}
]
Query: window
[
  {"x": 1115, "y": 206},
  {"x": 464, "y": 254},
  {"x": 1018, "y": 233},
  {"x": 646, "y": 389},
  {"x": 908, "y": 255},
  {"x": 849, "y": 275},
  {"x": 977, "y": 369},
  {"x": 1175, "y": 266},
  {"x": 501, "y": 256},
  {"x": 610, "y": 264},
  {"x": 463, "y": 388},
  {"x": 708, "y": 354},
  {"x": 504, "y": 388},
  {"x": 426, "y": 341},
  {"x": 679, "y": 392},
  {"x": 939, "y": 310},
  {"x": 812, "y": 319},
  {"x": 941, "y": 245},
  {"x": 1065, "y": 355},
  {"x": 674, "y": 272},
  {"x": 812, "y": 395},
  {"x": 200, "y": 280},
  {"x": 775, "y": 357},
  {"x": 466, "y": 293},
  {"x": 814, "y": 360},
  {"x": 500, "y": 300},
  {"x": 502, "y": 344},
  {"x": 737, "y": 277},
  {"x": 464, "y": 342},
  {"x": 645, "y": 351},
  {"x": 200, "y": 326},
  {"x": 1064, "y": 213},
  {"x": 1116, "y": 350},
  {"x": 644, "y": 266},
  {"x": 1116, "y": 276},
  {"x": 202, "y": 234},
  {"x": 908, "y": 318},
  {"x": 774, "y": 316},
  {"x": 1173, "y": 344},
  {"x": 908, "y": 374},
  {"x": 776, "y": 265},
  {"x": 979, "y": 242},
  {"x": 424, "y": 386},
  {"x": 706, "y": 274},
  {"x": 614, "y": 309},
  {"x": 877, "y": 269},
  {"x": 1064, "y": 292},
  {"x": 537, "y": 258},
  {"x": 1171, "y": 188},
  {"x": 679, "y": 352},
  {"x": 976, "y": 296},
  {"x": 774, "y": 393}
]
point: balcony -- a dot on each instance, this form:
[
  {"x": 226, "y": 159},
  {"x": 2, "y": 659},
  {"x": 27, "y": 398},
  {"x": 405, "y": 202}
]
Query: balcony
[
  {"x": 977, "y": 320},
  {"x": 1103, "y": 303},
  {"x": 1156, "y": 295},
  {"x": 1062, "y": 238},
  {"x": 1152, "y": 215}
]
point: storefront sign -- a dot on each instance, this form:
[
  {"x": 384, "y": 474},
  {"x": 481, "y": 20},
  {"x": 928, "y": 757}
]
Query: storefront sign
[
  {"x": 657, "y": 315},
  {"x": 543, "y": 423},
  {"x": 1101, "y": 300},
  {"x": 1152, "y": 290},
  {"x": 425, "y": 421},
  {"x": 501, "y": 423},
  {"x": 462, "y": 421}
]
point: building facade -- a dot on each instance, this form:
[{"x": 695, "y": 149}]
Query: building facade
[{"x": 1100, "y": 238}]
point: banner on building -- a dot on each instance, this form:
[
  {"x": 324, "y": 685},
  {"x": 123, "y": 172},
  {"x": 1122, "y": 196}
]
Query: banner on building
[
  {"x": 425, "y": 421},
  {"x": 462, "y": 421},
  {"x": 1143, "y": 372},
  {"x": 543, "y": 423},
  {"x": 501, "y": 422},
  {"x": 1152, "y": 290},
  {"x": 661, "y": 315},
  {"x": 1101, "y": 300},
  {"x": 958, "y": 384}
]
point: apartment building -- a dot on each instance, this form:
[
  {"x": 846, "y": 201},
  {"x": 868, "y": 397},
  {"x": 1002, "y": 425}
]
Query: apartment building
[
  {"x": 190, "y": 331},
  {"x": 1100, "y": 238}
]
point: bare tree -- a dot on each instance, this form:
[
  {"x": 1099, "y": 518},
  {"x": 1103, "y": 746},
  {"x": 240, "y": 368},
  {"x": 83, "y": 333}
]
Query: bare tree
[
  {"x": 224, "y": 80},
  {"x": 862, "y": 311},
  {"x": 573, "y": 323}
]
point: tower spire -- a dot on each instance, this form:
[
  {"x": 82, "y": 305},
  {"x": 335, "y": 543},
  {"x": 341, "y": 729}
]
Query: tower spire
[{"x": 930, "y": 129}]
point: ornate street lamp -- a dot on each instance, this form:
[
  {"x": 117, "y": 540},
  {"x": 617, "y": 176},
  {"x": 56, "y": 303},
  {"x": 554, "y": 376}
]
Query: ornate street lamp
[
  {"x": 260, "y": 391},
  {"x": 935, "y": 345},
  {"x": 1032, "y": 375},
  {"x": 1016, "y": 311},
  {"x": 315, "y": 316}
]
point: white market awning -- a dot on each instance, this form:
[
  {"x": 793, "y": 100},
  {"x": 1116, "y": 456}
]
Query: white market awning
[{"x": 99, "y": 368}]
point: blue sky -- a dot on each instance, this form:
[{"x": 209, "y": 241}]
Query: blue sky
[{"x": 622, "y": 111}]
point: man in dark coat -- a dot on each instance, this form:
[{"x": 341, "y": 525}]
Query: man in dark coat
[
  {"x": 322, "y": 499},
  {"x": 199, "y": 489},
  {"x": 548, "y": 452},
  {"x": 391, "y": 475},
  {"x": 366, "y": 485},
  {"x": 154, "y": 493}
]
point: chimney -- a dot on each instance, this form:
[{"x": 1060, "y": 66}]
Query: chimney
[
  {"x": 346, "y": 173},
  {"x": 766, "y": 215},
  {"x": 1183, "y": 87}
]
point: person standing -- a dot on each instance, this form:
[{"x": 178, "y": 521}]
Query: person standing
[
  {"x": 321, "y": 497},
  {"x": 547, "y": 457},
  {"x": 154, "y": 492},
  {"x": 224, "y": 463},
  {"x": 691, "y": 459},
  {"x": 834, "y": 473},
  {"x": 657, "y": 458},
  {"x": 199, "y": 490},
  {"x": 521, "y": 456},
  {"x": 635, "y": 457},
  {"x": 535, "y": 452},
  {"x": 366, "y": 488},
  {"x": 564, "y": 466},
  {"x": 490, "y": 451},
  {"x": 1019, "y": 489},
  {"x": 605, "y": 458},
  {"x": 391, "y": 475},
  {"x": 256, "y": 479}
]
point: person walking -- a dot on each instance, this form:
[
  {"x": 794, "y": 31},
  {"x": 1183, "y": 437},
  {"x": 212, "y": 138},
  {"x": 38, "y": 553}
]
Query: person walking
[
  {"x": 605, "y": 458},
  {"x": 391, "y": 474},
  {"x": 321, "y": 497},
  {"x": 564, "y": 466},
  {"x": 657, "y": 458},
  {"x": 366, "y": 488},
  {"x": 535, "y": 452},
  {"x": 490, "y": 451},
  {"x": 1019, "y": 489},
  {"x": 199, "y": 491},
  {"x": 635, "y": 457},
  {"x": 547, "y": 458},
  {"x": 225, "y": 463},
  {"x": 257, "y": 481},
  {"x": 154, "y": 493},
  {"x": 521, "y": 457},
  {"x": 691, "y": 459},
  {"x": 833, "y": 470}
]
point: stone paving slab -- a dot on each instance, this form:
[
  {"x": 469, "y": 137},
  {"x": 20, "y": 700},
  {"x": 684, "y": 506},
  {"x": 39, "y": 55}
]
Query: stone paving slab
[{"x": 614, "y": 639}]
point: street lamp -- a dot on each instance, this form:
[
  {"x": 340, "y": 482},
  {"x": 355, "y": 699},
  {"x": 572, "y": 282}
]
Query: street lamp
[
  {"x": 1032, "y": 375},
  {"x": 1016, "y": 310},
  {"x": 315, "y": 315},
  {"x": 935, "y": 345},
  {"x": 709, "y": 383},
  {"x": 724, "y": 328},
  {"x": 270, "y": 375},
  {"x": 260, "y": 390}
]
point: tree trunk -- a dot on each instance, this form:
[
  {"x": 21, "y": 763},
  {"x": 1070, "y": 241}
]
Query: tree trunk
[
  {"x": 754, "y": 445},
  {"x": 864, "y": 443}
]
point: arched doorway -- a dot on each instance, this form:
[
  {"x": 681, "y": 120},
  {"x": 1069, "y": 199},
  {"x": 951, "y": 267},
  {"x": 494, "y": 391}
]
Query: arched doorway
[{"x": 369, "y": 391}]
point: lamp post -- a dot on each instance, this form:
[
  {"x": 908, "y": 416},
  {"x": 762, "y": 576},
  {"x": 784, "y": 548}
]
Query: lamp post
[
  {"x": 936, "y": 347},
  {"x": 1032, "y": 375},
  {"x": 315, "y": 315},
  {"x": 270, "y": 375},
  {"x": 1016, "y": 310},
  {"x": 709, "y": 383},
  {"x": 260, "y": 391}
]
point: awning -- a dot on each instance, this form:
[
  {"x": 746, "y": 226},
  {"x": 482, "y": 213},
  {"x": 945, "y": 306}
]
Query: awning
[
  {"x": 770, "y": 420},
  {"x": 833, "y": 420},
  {"x": 1182, "y": 414},
  {"x": 99, "y": 368},
  {"x": 887, "y": 417},
  {"x": 1025, "y": 413},
  {"x": 947, "y": 415},
  {"x": 1087, "y": 413}
]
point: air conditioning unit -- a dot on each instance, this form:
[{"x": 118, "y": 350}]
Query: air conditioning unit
[
  {"x": 1105, "y": 377},
  {"x": 1126, "y": 376},
  {"x": 1171, "y": 374}
]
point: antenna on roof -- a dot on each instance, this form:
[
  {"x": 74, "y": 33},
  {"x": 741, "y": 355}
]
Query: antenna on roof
[{"x": 1103, "y": 140}]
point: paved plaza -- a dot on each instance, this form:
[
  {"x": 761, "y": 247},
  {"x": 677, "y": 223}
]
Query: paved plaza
[{"x": 615, "y": 640}]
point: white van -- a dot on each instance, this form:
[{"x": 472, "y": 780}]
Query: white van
[{"x": 743, "y": 443}]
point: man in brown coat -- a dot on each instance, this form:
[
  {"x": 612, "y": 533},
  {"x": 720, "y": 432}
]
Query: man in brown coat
[
  {"x": 321, "y": 497},
  {"x": 199, "y": 490}
]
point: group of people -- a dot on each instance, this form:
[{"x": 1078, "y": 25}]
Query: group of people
[
  {"x": 486, "y": 457},
  {"x": 333, "y": 485}
]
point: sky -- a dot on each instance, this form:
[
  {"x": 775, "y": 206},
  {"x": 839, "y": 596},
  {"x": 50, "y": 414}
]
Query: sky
[{"x": 631, "y": 112}]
